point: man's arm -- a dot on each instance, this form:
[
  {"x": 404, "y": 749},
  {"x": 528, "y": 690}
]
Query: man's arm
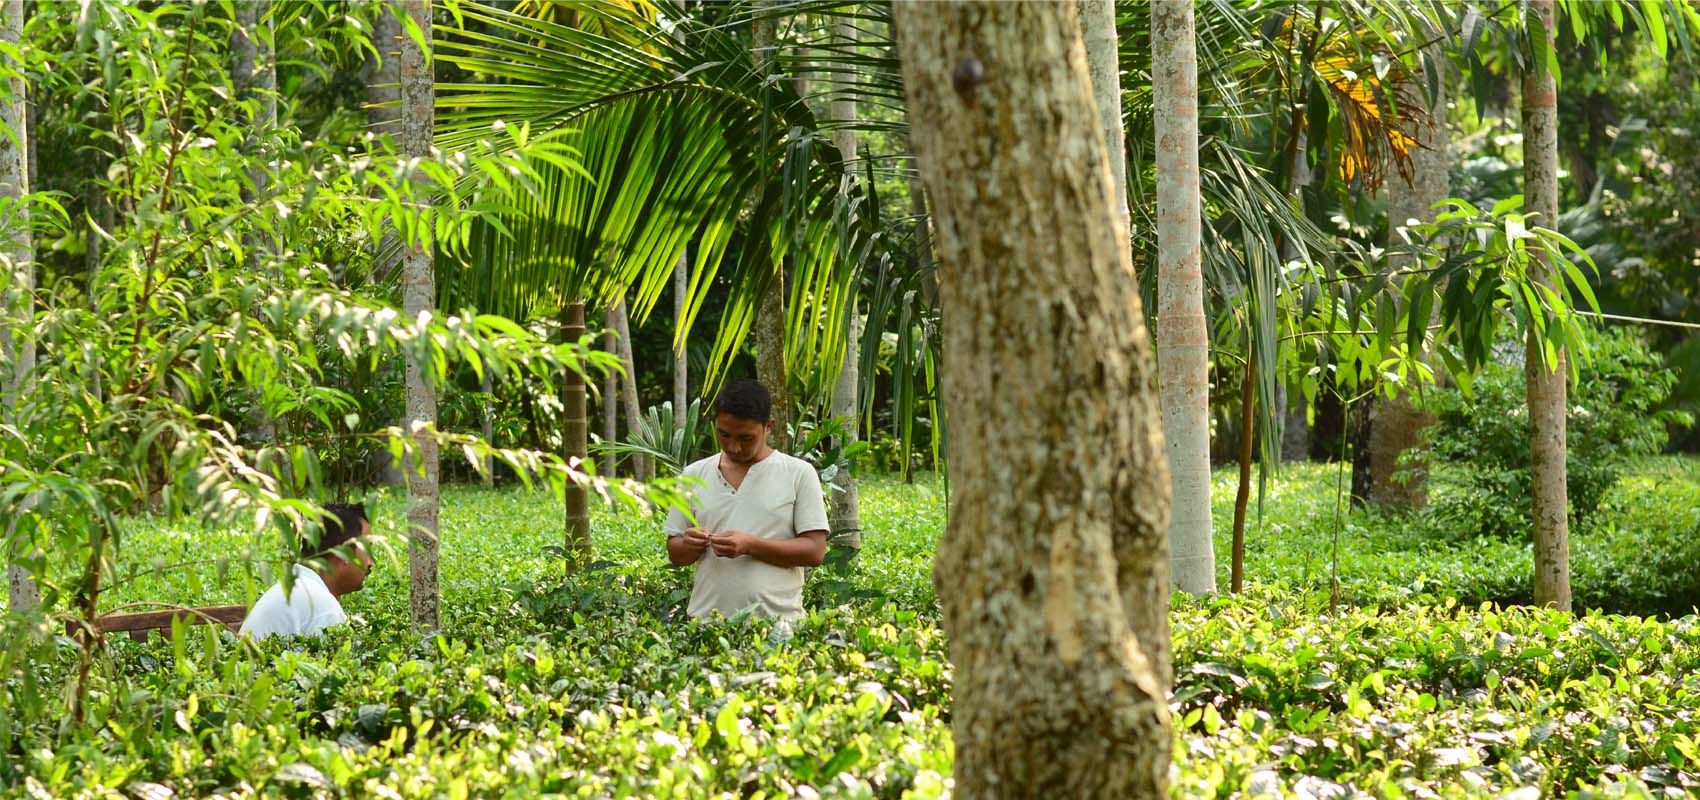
[
  {"x": 806, "y": 549},
  {"x": 687, "y": 548}
]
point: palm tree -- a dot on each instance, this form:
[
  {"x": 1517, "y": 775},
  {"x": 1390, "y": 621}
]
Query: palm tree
[{"x": 681, "y": 140}]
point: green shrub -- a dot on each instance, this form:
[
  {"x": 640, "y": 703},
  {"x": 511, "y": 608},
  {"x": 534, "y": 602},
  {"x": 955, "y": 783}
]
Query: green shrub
[{"x": 1614, "y": 414}]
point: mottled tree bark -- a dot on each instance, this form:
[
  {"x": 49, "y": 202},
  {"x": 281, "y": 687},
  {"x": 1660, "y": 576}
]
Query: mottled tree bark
[
  {"x": 769, "y": 333},
  {"x": 418, "y": 99},
  {"x": 17, "y": 337},
  {"x": 1183, "y": 340},
  {"x": 1398, "y": 457},
  {"x": 1052, "y": 573},
  {"x": 1549, "y": 489},
  {"x": 846, "y": 515},
  {"x": 575, "y": 435}
]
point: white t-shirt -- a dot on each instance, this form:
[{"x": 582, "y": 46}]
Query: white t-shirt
[
  {"x": 309, "y": 609},
  {"x": 778, "y": 499}
]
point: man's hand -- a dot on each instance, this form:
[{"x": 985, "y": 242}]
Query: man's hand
[
  {"x": 731, "y": 544},
  {"x": 689, "y": 548}
]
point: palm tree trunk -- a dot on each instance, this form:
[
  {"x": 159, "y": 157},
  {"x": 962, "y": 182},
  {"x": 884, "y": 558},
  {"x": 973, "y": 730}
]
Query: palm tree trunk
[
  {"x": 575, "y": 439},
  {"x": 1183, "y": 340},
  {"x": 1051, "y": 546},
  {"x": 618, "y": 319},
  {"x": 846, "y": 499},
  {"x": 1398, "y": 461},
  {"x": 769, "y": 333},
  {"x": 1546, "y": 388},
  {"x": 418, "y": 93},
  {"x": 17, "y": 339}
]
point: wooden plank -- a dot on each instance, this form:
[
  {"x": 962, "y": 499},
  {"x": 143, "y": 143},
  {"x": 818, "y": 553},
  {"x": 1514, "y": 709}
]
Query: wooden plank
[{"x": 138, "y": 625}]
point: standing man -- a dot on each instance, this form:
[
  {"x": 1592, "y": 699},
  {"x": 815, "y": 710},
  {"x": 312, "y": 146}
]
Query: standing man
[{"x": 760, "y": 516}]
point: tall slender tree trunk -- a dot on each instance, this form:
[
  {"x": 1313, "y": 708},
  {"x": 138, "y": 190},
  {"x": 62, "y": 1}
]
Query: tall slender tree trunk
[
  {"x": 1103, "y": 61},
  {"x": 1294, "y": 410},
  {"x": 575, "y": 437},
  {"x": 1547, "y": 402},
  {"x": 1242, "y": 495},
  {"x": 254, "y": 73},
  {"x": 846, "y": 519},
  {"x": 418, "y": 110},
  {"x": 1398, "y": 460},
  {"x": 621, "y": 323},
  {"x": 610, "y": 405},
  {"x": 769, "y": 333},
  {"x": 383, "y": 117},
  {"x": 487, "y": 426},
  {"x": 1052, "y": 546},
  {"x": 17, "y": 335},
  {"x": 1183, "y": 340},
  {"x": 681, "y": 364}
]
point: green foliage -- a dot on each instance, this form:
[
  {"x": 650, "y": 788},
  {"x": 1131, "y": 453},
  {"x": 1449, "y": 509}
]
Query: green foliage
[
  {"x": 673, "y": 443},
  {"x": 545, "y": 683},
  {"x": 1614, "y": 414},
  {"x": 1640, "y": 555}
]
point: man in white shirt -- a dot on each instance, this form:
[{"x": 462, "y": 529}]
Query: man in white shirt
[
  {"x": 312, "y": 604},
  {"x": 760, "y": 516}
]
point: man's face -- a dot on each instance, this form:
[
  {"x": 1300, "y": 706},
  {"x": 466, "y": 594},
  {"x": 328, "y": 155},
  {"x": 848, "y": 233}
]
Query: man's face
[
  {"x": 350, "y": 576},
  {"x": 741, "y": 440}
]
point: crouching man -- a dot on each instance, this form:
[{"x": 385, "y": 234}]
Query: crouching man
[
  {"x": 760, "y": 516},
  {"x": 313, "y": 603}
]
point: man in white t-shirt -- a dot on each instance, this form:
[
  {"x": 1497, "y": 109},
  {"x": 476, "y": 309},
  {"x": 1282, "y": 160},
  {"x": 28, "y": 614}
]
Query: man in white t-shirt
[
  {"x": 312, "y": 604},
  {"x": 760, "y": 516}
]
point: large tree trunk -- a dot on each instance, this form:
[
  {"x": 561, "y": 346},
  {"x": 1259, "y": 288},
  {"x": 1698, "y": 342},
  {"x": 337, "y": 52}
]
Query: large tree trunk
[
  {"x": 1398, "y": 459},
  {"x": 618, "y": 320},
  {"x": 1183, "y": 340},
  {"x": 575, "y": 435},
  {"x": 1052, "y": 573},
  {"x": 418, "y": 99},
  {"x": 17, "y": 339},
  {"x": 846, "y": 499},
  {"x": 1549, "y": 489},
  {"x": 769, "y": 333}
]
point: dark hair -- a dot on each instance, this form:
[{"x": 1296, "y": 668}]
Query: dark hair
[
  {"x": 342, "y": 524},
  {"x": 745, "y": 399}
]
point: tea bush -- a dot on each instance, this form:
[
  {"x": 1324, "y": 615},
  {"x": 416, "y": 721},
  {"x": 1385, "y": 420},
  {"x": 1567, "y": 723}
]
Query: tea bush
[
  {"x": 549, "y": 685},
  {"x": 1615, "y": 413}
]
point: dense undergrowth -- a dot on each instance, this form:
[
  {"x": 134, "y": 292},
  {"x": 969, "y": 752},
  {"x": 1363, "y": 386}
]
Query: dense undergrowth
[{"x": 591, "y": 686}]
